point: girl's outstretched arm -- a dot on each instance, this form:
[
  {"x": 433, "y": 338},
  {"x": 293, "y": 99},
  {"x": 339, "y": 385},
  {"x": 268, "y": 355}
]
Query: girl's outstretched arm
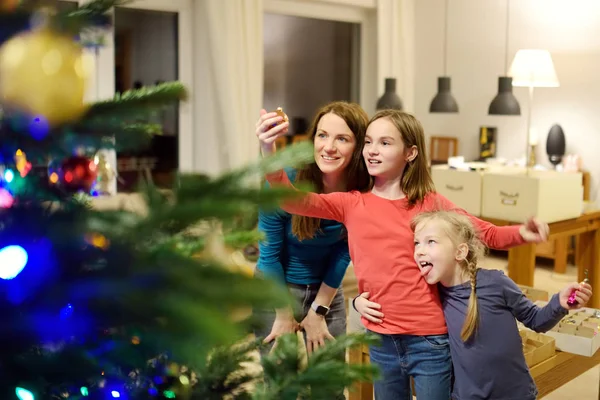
[
  {"x": 333, "y": 206},
  {"x": 539, "y": 319},
  {"x": 501, "y": 237}
]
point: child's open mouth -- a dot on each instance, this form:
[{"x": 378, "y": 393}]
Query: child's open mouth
[{"x": 425, "y": 268}]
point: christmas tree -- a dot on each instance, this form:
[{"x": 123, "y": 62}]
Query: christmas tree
[{"x": 121, "y": 304}]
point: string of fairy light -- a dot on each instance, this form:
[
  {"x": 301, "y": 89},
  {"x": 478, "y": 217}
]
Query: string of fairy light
[{"x": 24, "y": 394}]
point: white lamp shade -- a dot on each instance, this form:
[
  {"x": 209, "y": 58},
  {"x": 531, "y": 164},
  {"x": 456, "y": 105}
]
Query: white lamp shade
[{"x": 533, "y": 68}]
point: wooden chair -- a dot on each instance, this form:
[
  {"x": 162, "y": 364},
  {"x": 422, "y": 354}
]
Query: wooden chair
[{"x": 441, "y": 148}]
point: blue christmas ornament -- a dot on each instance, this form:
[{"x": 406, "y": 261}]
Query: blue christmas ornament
[{"x": 39, "y": 127}]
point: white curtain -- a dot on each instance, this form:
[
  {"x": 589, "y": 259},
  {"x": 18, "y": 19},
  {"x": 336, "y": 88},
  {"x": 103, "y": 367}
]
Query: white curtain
[
  {"x": 228, "y": 82},
  {"x": 396, "y": 48}
]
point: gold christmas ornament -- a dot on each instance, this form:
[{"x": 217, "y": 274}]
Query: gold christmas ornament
[
  {"x": 44, "y": 73},
  {"x": 281, "y": 114}
]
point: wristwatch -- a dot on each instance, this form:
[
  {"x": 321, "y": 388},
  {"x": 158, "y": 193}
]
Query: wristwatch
[{"x": 319, "y": 309}]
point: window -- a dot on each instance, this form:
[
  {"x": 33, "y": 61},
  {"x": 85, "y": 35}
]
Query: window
[
  {"x": 309, "y": 62},
  {"x": 146, "y": 54}
]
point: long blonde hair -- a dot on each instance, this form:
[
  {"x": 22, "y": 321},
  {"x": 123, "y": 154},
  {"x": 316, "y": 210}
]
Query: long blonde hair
[
  {"x": 416, "y": 180},
  {"x": 460, "y": 230}
]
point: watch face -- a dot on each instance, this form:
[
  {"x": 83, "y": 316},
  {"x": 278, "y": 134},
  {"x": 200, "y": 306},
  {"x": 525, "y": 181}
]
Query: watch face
[{"x": 321, "y": 310}]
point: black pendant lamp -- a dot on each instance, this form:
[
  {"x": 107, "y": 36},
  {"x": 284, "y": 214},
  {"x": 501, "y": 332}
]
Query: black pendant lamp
[
  {"x": 444, "y": 102},
  {"x": 389, "y": 99},
  {"x": 505, "y": 102}
]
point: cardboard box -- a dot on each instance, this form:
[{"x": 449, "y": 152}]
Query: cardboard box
[
  {"x": 463, "y": 188},
  {"x": 537, "y": 347},
  {"x": 577, "y": 332},
  {"x": 534, "y": 294},
  {"x": 515, "y": 196}
]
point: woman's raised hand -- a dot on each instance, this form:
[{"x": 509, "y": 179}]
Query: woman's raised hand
[{"x": 268, "y": 128}]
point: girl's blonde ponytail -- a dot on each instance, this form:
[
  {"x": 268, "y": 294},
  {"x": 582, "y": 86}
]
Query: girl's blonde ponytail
[{"x": 472, "y": 317}]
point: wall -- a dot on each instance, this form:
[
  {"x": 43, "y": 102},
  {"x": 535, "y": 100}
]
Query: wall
[
  {"x": 476, "y": 57},
  {"x": 307, "y": 63}
]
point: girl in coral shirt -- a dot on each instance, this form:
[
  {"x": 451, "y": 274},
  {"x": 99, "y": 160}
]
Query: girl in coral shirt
[{"x": 396, "y": 302}]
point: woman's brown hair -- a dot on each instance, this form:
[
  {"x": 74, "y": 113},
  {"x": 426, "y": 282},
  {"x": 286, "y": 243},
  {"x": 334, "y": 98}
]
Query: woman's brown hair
[
  {"x": 416, "y": 180},
  {"x": 460, "y": 230},
  {"x": 357, "y": 177}
]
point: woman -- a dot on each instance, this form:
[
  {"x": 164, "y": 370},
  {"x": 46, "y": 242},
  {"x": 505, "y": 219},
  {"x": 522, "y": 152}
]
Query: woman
[{"x": 309, "y": 255}]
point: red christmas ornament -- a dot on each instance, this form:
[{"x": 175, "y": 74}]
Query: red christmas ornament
[{"x": 78, "y": 173}]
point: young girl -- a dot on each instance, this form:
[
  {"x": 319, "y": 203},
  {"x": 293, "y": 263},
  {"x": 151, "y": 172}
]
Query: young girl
[
  {"x": 480, "y": 307},
  {"x": 410, "y": 319},
  {"x": 309, "y": 255}
]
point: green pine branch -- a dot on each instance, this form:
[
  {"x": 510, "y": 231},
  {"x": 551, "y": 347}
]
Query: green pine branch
[
  {"x": 89, "y": 15},
  {"x": 94, "y": 14},
  {"x": 123, "y": 119},
  {"x": 240, "y": 239},
  {"x": 225, "y": 373},
  {"x": 135, "y": 101},
  {"x": 283, "y": 374},
  {"x": 325, "y": 374},
  {"x": 200, "y": 198},
  {"x": 192, "y": 245}
]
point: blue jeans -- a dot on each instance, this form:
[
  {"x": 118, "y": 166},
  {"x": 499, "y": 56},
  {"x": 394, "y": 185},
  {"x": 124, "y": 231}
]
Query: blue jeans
[{"x": 424, "y": 358}]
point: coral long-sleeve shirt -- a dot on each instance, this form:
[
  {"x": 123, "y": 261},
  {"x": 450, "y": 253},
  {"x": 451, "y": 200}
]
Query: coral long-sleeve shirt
[{"x": 381, "y": 248}]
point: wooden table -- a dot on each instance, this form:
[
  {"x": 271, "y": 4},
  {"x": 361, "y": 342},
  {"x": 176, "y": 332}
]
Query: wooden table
[
  {"x": 563, "y": 367},
  {"x": 521, "y": 259},
  {"x": 548, "y": 375}
]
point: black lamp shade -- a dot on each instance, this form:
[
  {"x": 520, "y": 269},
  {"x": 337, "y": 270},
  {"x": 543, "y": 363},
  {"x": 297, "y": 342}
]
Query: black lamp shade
[
  {"x": 505, "y": 102},
  {"x": 389, "y": 100},
  {"x": 443, "y": 102},
  {"x": 555, "y": 144}
]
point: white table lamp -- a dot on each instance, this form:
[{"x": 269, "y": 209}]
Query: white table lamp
[{"x": 532, "y": 68}]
